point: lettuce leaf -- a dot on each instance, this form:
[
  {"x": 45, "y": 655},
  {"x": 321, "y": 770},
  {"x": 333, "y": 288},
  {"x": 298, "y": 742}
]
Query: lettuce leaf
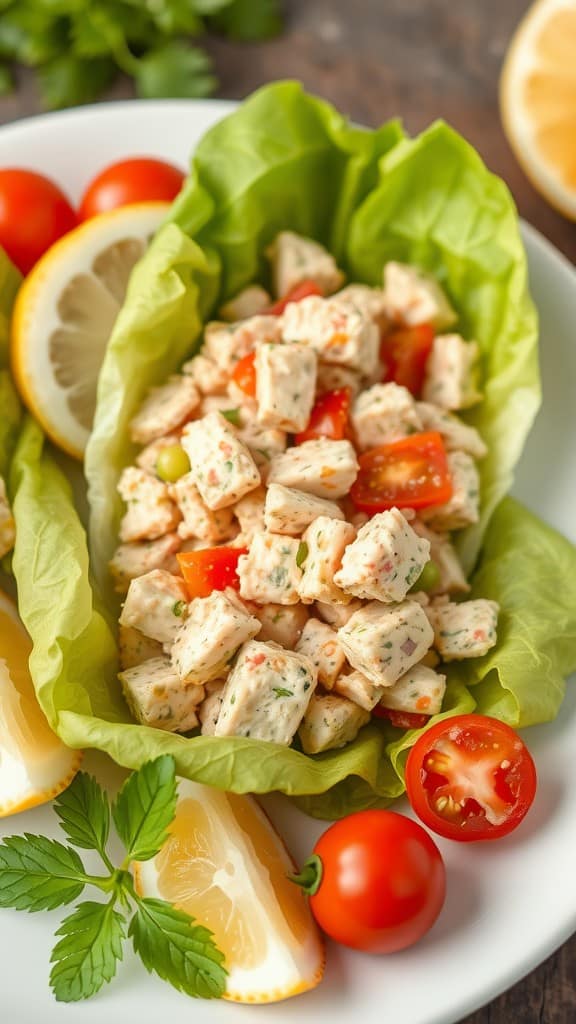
[
  {"x": 10, "y": 279},
  {"x": 10, "y": 407}
]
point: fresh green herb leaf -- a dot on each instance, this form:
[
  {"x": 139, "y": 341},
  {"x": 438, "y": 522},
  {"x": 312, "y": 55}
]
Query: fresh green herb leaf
[
  {"x": 37, "y": 873},
  {"x": 250, "y": 20},
  {"x": 178, "y": 17},
  {"x": 87, "y": 955},
  {"x": 68, "y": 80},
  {"x": 175, "y": 69},
  {"x": 233, "y": 416},
  {"x": 6, "y": 80},
  {"x": 301, "y": 554},
  {"x": 97, "y": 32},
  {"x": 30, "y": 36},
  {"x": 281, "y": 691},
  {"x": 84, "y": 812},
  {"x": 145, "y": 808},
  {"x": 178, "y": 608},
  {"x": 170, "y": 943}
]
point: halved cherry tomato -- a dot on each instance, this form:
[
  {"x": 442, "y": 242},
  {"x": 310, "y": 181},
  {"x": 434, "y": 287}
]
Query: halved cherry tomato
[
  {"x": 244, "y": 375},
  {"x": 470, "y": 778},
  {"x": 405, "y": 353},
  {"x": 34, "y": 213},
  {"x": 401, "y": 719},
  {"x": 411, "y": 473},
  {"x": 329, "y": 417},
  {"x": 210, "y": 569},
  {"x": 296, "y": 294},
  {"x": 376, "y": 881},
  {"x": 136, "y": 180}
]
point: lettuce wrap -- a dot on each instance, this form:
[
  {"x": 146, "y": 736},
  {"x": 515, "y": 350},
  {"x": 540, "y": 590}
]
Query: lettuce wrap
[{"x": 287, "y": 160}]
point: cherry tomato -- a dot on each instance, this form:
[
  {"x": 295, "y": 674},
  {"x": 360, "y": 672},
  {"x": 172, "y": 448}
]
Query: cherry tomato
[
  {"x": 34, "y": 213},
  {"x": 401, "y": 719},
  {"x": 244, "y": 375},
  {"x": 210, "y": 569},
  {"x": 470, "y": 778},
  {"x": 296, "y": 294},
  {"x": 329, "y": 417},
  {"x": 376, "y": 881},
  {"x": 130, "y": 181},
  {"x": 405, "y": 353},
  {"x": 411, "y": 473}
]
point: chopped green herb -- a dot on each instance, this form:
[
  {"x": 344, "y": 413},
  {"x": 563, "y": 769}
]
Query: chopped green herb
[
  {"x": 233, "y": 416},
  {"x": 301, "y": 554},
  {"x": 179, "y": 608},
  {"x": 281, "y": 691}
]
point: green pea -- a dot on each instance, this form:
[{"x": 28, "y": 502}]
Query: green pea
[
  {"x": 172, "y": 463},
  {"x": 428, "y": 578}
]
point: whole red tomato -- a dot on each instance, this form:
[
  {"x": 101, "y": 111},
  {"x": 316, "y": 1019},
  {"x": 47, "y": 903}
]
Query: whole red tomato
[
  {"x": 34, "y": 213},
  {"x": 376, "y": 881},
  {"x": 137, "y": 180}
]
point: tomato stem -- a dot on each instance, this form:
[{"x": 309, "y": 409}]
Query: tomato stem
[{"x": 310, "y": 877}]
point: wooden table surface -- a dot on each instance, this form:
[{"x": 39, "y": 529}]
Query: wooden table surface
[{"x": 419, "y": 59}]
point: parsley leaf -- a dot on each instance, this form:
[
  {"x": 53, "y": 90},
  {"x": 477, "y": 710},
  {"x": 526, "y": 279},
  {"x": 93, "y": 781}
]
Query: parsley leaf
[
  {"x": 37, "y": 873},
  {"x": 84, "y": 813},
  {"x": 170, "y": 943},
  {"x": 69, "y": 80},
  {"x": 174, "y": 69},
  {"x": 250, "y": 20},
  {"x": 6, "y": 80},
  {"x": 87, "y": 955},
  {"x": 145, "y": 808}
]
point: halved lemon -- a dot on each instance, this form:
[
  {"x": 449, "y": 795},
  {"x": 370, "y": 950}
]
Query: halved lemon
[
  {"x": 64, "y": 315},
  {"x": 538, "y": 100},
  {"x": 34, "y": 764},
  {"x": 225, "y": 864}
]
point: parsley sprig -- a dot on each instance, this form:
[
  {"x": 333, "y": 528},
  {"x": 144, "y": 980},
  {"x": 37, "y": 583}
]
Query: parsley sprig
[{"x": 38, "y": 873}]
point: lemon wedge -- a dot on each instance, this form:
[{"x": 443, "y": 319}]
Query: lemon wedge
[
  {"x": 64, "y": 315},
  {"x": 34, "y": 765},
  {"x": 538, "y": 100},
  {"x": 225, "y": 864}
]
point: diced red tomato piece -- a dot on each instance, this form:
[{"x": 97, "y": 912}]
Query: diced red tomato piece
[
  {"x": 404, "y": 354},
  {"x": 401, "y": 719},
  {"x": 210, "y": 569},
  {"x": 296, "y": 294},
  {"x": 244, "y": 375},
  {"x": 329, "y": 417},
  {"x": 410, "y": 473}
]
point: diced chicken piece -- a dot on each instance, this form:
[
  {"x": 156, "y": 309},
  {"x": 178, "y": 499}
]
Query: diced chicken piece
[
  {"x": 251, "y": 301},
  {"x": 235, "y": 411},
  {"x": 385, "y": 559},
  {"x": 290, "y": 511},
  {"x": 331, "y": 377},
  {"x": 324, "y": 468},
  {"x": 452, "y": 578},
  {"x": 295, "y": 258},
  {"x": 268, "y": 573},
  {"x": 463, "y": 507},
  {"x": 209, "y": 709},
  {"x": 209, "y": 378},
  {"x": 147, "y": 459},
  {"x": 157, "y": 697},
  {"x": 465, "y": 630},
  {"x": 156, "y": 605},
  {"x": 319, "y": 642},
  {"x": 262, "y": 444},
  {"x": 281, "y": 623},
  {"x": 336, "y": 332},
  {"x": 325, "y": 540},
  {"x": 384, "y": 641},
  {"x": 266, "y": 694},
  {"x": 223, "y": 468},
  {"x": 209, "y": 637},
  {"x": 165, "y": 409},
  {"x": 135, "y": 648},
  {"x": 456, "y": 434},
  {"x": 249, "y": 512},
  {"x": 150, "y": 511},
  {"x": 365, "y": 300},
  {"x": 420, "y": 691},
  {"x": 336, "y": 615},
  {"x": 451, "y": 373},
  {"x": 285, "y": 385},
  {"x": 330, "y": 723},
  {"x": 382, "y": 414},
  {"x": 132, "y": 560},
  {"x": 226, "y": 344},
  {"x": 7, "y": 524},
  {"x": 360, "y": 689},
  {"x": 197, "y": 519},
  {"x": 414, "y": 297}
]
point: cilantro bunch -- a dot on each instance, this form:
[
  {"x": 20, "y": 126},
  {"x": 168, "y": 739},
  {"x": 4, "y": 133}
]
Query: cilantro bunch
[
  {"x": 37, "y": 873},
  {"x": 78, "y": 47}
]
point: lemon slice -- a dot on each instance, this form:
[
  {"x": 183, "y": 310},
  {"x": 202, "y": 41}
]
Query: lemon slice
[
  {"x": 34, "y": 765},
  {"x": 64, "y": 315},
  {"x": 538, "y": 100},
  {"x": 226, "y": 866}
]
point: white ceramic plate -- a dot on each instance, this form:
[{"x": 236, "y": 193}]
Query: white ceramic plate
[{"x": 509, "y": 904}]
